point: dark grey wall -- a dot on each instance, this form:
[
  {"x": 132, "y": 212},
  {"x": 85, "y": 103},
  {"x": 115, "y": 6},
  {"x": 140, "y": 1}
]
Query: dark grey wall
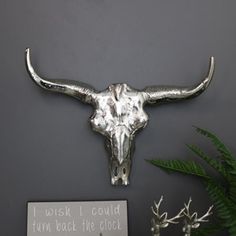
[{"x": 48, "y": 151}]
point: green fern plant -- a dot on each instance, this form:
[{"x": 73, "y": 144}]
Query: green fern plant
[{"x": 222, "y": 193}]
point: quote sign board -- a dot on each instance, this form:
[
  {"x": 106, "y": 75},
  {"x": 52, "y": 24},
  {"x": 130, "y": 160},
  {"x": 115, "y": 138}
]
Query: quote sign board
[{"x": 101, "y": 218}]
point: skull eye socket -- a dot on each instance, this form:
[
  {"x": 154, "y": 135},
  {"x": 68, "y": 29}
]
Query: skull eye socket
[
  {"x": 139, "y": 122},
  {"x": 98, "y": 123}
]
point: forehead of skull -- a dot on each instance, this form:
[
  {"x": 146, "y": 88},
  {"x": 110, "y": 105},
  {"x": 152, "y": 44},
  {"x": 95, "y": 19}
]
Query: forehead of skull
[
  {"x": 117, "y": 90},
  {"x": 122, "y": 93},
  {"x": 119, "y": 105},
  {"x": 120, "y": 99}
]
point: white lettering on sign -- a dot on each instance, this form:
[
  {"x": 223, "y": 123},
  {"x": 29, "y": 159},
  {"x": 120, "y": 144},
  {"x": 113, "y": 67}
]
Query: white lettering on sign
[
  {"x": 66, "y": 226},
  {"x": 88, "y": 226},
  {"x": 41, "y": 227},
  {"x": 105, "y": 218},
  {"x": 106, "y": 211},
  {"x": 65, "y": 211},
  {"x": 110, "y": 225}
]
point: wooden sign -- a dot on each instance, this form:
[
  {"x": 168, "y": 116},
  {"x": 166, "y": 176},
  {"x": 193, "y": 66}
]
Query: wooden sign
[{"x": 101, "y": 218}]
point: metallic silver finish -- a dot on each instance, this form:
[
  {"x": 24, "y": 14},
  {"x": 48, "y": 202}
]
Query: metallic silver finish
[
  {"x": 118, "y": 116},
  {"x": 119, "y": 112},
  {"x": 160, "y": 221},
  {"x": 191, "y": 220},
  {"x": 157, "y": 94},
  {"x": 79, "y": 90}
]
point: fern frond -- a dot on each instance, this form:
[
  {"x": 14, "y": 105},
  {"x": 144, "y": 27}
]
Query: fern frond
[
  {"x": 232, "y": 229},
  {"x": 208, "y": 230},
  {"x": 226, "y": 154},
  {"x": 184, "y": 167},
  {"x": 210, "y": 161},
  {"x": 232, "y": 189},
  {"x": 226, "y": 209},
  {"x": 233, "y": 172}
]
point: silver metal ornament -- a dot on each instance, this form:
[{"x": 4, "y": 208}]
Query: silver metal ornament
[
  {"x": 119, "y": 111},
  {"x": 192, "y": 221},
  {"x": 161, "y": 221}
]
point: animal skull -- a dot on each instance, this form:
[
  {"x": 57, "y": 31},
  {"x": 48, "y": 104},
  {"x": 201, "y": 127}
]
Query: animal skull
[{"x": 119, "y": 112}]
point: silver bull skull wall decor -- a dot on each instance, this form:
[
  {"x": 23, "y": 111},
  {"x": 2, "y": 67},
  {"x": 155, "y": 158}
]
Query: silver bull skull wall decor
[{"x": 119, "y": 111}]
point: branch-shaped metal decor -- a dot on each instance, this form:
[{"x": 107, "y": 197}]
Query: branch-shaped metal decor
[
  {"x": 191, "y": 221},
  {"x": 160, "y": 221},
  {"x": 119, "y": 111}
]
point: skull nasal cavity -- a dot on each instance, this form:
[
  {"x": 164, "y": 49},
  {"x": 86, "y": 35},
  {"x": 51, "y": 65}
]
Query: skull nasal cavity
[{"x": 121, "y": 144}]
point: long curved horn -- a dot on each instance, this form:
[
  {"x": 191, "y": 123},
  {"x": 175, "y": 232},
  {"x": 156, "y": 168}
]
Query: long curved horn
[
  {"x": 79, "y": 90},
  {"x": 155, "y": 94}
]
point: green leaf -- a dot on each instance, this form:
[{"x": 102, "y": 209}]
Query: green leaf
[
  {"x": 232, "y": 229},
  {"x": 208, "y": 230},
  {"x": 210, "y": 161},
  {"x": 218, "y": 196},
  {"x": 184, "y": 167},
  {"x": 232, "y": 188},
  {"x": 233, "y": 172},
  {"x": 226, "y": 209},
  {"x": 226, "y": 154}
]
